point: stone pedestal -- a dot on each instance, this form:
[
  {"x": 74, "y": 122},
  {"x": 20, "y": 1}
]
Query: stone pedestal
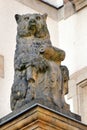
[{"x": 39, "y": 117}]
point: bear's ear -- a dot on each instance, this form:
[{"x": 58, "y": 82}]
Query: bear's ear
[
  {"x": 45, "y": 16},
  {"x": 17, "y": 18}
]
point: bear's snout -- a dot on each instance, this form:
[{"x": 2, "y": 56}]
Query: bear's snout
[{"x": 32, "y": 22}]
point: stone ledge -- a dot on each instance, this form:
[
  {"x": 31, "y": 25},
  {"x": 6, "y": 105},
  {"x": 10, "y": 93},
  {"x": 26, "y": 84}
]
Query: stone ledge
[
  {"x": 41, "y": 7},
  {"x": 68, "y": 9},
  {"x": 39, "y": 117}
]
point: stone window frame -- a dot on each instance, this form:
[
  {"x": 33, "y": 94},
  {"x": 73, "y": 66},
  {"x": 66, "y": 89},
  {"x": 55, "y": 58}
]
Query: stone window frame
[
  {"x": 78, "y": 81},
  {"x": 80, "y": 97}
]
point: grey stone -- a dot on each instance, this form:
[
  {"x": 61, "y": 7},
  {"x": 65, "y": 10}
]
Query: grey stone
[{"x": 39, "y": 77}]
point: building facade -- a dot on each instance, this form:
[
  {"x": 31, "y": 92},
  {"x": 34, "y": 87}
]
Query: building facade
[{"x": 68, "y": 30}]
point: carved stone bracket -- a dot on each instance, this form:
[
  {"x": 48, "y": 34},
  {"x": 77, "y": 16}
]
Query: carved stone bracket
[{"x": 79, "y": 4}]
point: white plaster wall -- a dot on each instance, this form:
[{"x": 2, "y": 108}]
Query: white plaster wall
[
  {"x": 8, "y": 26},
  {"x": 73, "y": 39}
]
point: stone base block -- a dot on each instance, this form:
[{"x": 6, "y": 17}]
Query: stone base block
[{"x": 39, "y": 117}]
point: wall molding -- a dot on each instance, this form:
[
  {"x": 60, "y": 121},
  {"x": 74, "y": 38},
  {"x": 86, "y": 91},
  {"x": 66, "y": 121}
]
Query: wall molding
[
  {"x": 79, "y": 4},
  {"x": 82, "y": 99},
  {"x": 78, "y": 92}
]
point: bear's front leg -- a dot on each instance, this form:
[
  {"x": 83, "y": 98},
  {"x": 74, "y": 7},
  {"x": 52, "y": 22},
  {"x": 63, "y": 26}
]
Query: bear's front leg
[{"x": 41, "y": 64}]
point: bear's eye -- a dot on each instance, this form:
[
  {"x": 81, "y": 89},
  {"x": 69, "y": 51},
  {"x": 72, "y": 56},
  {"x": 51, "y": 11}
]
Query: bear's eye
[
  {"x": 26, "y": 18},
  {"x": 38, "y": 17}
]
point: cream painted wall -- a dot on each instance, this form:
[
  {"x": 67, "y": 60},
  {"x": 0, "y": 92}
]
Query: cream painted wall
[
  {"x": 8, "y": 26},
  {"x": 73, "y": 39}
]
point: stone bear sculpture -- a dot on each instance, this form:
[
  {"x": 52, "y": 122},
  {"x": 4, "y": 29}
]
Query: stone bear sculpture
[{"x": 39, "y": 76}]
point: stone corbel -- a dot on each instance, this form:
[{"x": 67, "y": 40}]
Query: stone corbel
[{"x": 79, "y": 4}]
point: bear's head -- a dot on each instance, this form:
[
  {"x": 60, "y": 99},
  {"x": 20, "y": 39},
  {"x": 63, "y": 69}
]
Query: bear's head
[{"x": 32, "y": 25}]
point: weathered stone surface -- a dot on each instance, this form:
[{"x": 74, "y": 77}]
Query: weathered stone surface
[
  {"x": 39, "y": 76},
  {"x": 79, "y": 4},
  {"x": 38, "y": 117}
]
